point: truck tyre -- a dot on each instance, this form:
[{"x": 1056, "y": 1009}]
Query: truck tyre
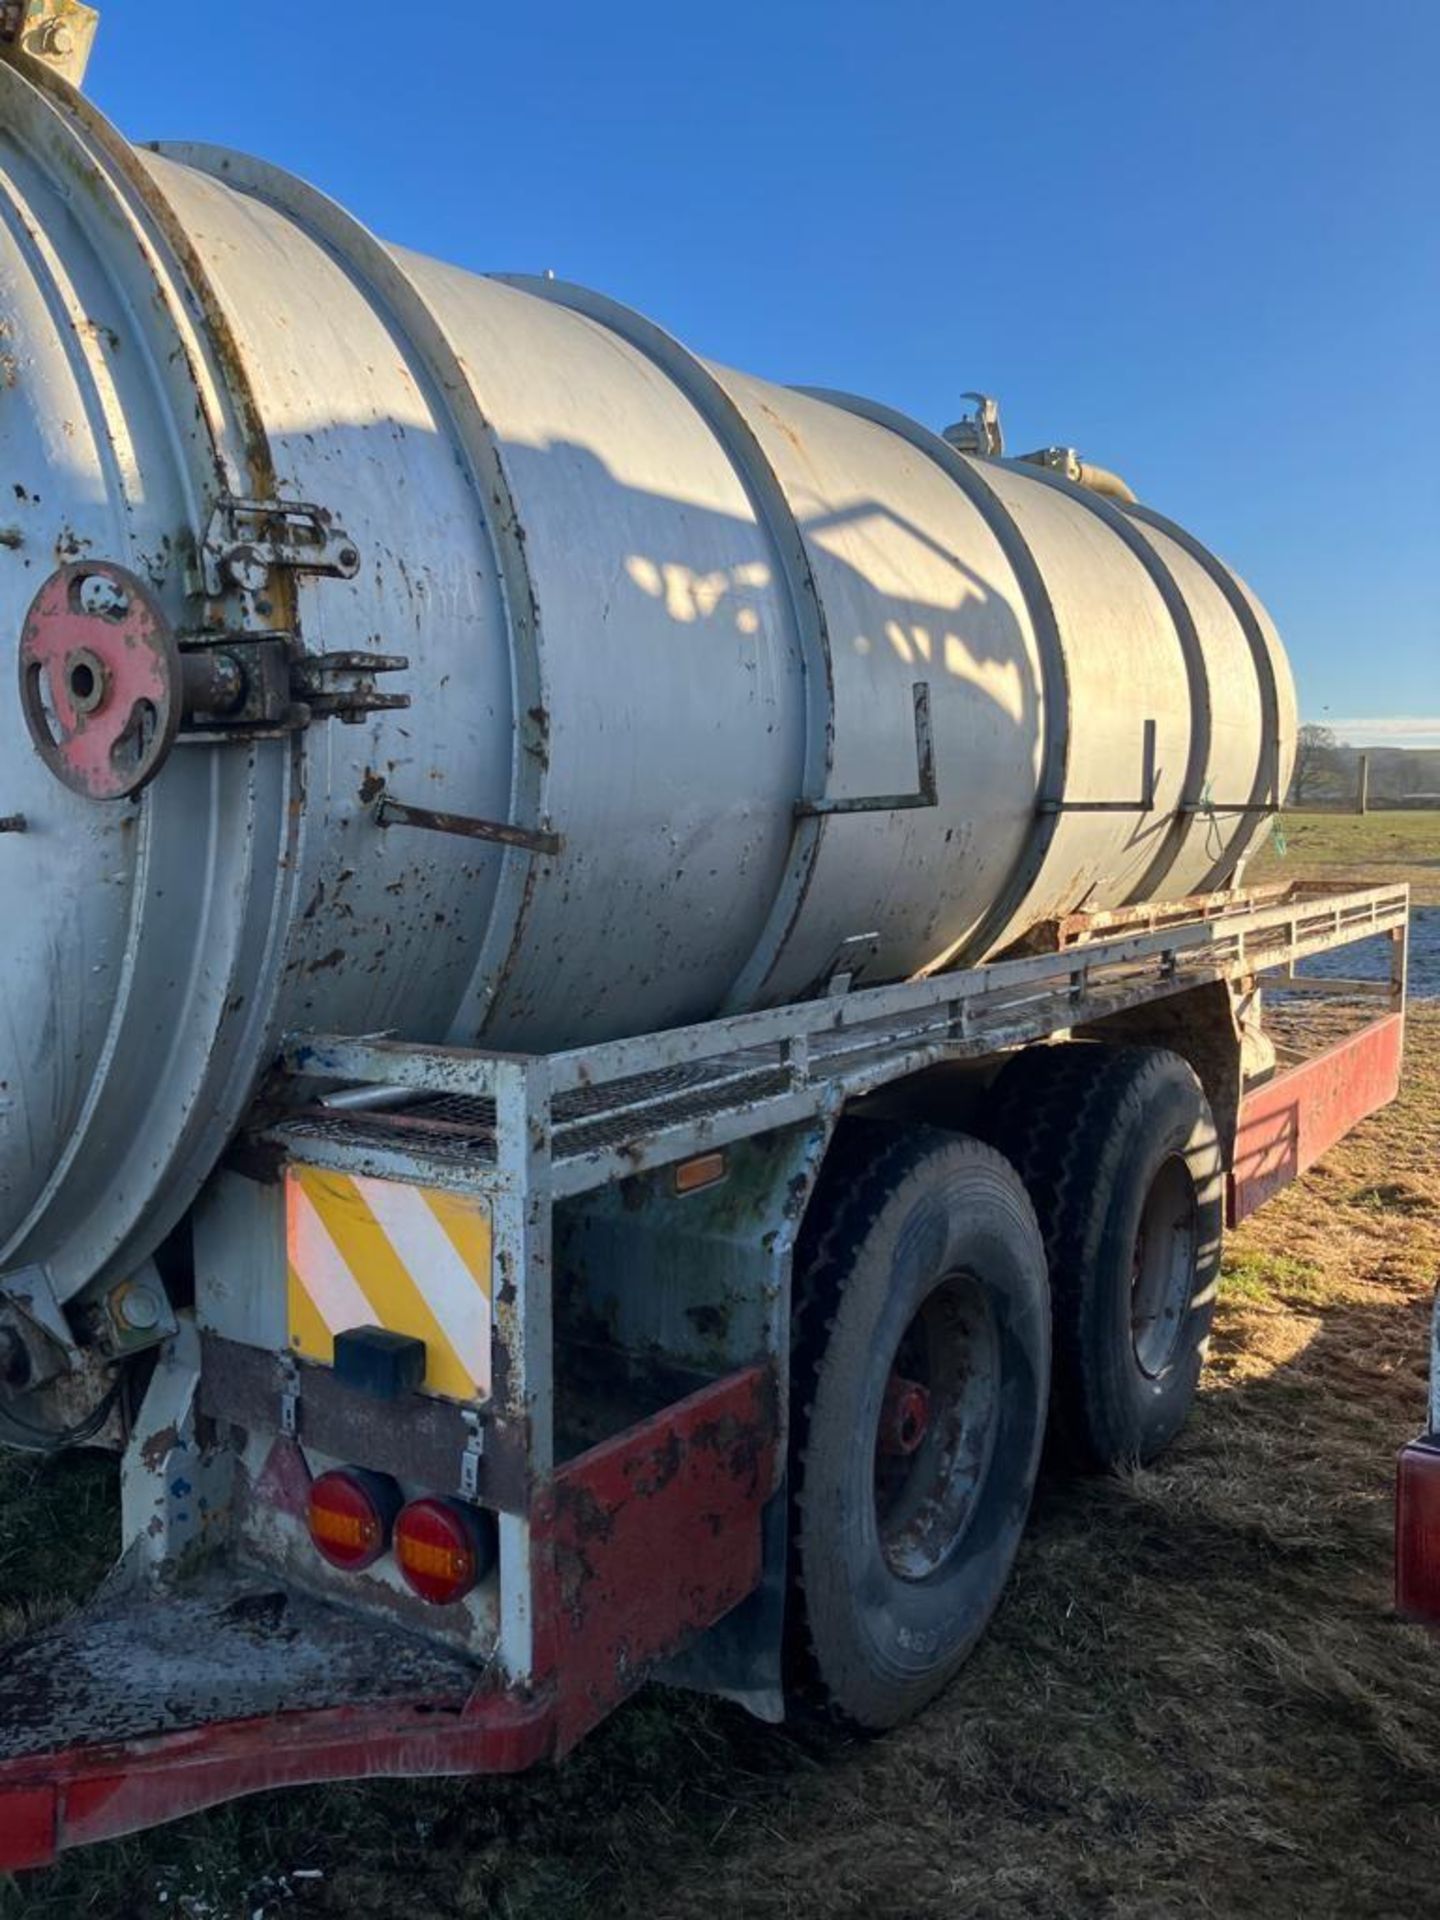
[
  {"x": 921, "y": 1376},
  {"x": 1118, "y": 1149}
]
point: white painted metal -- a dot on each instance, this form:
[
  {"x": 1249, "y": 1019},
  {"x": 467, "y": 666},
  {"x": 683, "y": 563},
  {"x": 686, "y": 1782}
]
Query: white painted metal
[
  {"x": 652, "y": 606},
  {"x": 658, "y": 1098}
]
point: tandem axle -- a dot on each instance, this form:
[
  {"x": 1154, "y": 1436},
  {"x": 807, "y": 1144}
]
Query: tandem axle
[{"x": 499, "y": 1384}]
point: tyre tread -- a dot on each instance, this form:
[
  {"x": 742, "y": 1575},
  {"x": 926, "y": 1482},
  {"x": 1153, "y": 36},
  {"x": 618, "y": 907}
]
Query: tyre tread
[
  {"x": 868, "y": 1161},
  {"x": 1057, "y": 1116}
]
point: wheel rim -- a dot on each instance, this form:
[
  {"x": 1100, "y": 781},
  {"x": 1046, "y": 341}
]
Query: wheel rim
[
  {"x": 1164, "y": 1266},
  {"x": 936, "y": 1428}
]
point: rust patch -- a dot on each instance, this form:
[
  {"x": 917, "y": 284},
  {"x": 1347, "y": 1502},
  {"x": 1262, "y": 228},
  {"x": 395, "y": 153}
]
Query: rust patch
[
  {"x": 649, "y": 1538},
  {"x": 155, "y": 1451},
  {"x": 650, "y": 1473}
]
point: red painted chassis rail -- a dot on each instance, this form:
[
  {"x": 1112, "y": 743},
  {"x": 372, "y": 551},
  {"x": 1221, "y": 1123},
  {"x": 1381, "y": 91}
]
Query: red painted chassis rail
[
  {"x": 58, "y": 1800},
  {"x": 1289, "y": 1122}
]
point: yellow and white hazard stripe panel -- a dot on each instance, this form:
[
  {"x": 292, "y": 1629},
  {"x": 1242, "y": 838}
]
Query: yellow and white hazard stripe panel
[{"x": 379, "y": 1253}]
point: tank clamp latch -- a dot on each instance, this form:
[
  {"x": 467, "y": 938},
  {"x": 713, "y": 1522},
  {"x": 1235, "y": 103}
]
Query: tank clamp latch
[
  {"x": 249, "y": 685},
  {"x": 247, "y": 539}
]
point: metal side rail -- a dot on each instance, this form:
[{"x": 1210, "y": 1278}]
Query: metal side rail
[{"x": 566, "y": 1122}]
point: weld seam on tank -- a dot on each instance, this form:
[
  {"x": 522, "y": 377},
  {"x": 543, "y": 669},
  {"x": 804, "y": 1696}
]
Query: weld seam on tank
[
  {"x": 1192, "y": 783},
  {"x": 770, "y": 503},
  {"x": 383, "y": 281},
  {"x": 253, "y": 476},
  {"x": 1052, "y": 777},
  {"x": 1265, "y": 793}
]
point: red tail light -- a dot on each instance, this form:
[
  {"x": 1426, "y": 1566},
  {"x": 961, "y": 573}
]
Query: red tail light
[
  {"x": 442, "y": 1548},
  {"x": 351, "y": 1514},
  {"x": 1417, "y": 1531}
]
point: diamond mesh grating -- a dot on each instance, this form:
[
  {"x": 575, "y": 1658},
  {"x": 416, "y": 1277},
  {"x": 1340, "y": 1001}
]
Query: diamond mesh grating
[{"x": 459, "y": 1129}]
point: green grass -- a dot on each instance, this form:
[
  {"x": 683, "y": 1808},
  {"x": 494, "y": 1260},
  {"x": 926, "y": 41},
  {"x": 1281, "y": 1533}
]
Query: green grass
[
  {"x": 59, "y": 1533},
  {"x": 1268, "y": 1278},
  {"x": 1370, "y": 848}
]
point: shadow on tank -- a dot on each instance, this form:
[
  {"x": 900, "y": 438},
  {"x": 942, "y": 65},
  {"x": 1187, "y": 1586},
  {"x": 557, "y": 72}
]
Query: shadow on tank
[{"x": 686, "y": 713}]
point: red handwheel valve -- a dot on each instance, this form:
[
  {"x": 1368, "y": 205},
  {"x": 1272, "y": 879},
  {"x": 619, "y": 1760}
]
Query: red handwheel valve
[{"x": 100, "y": 679}]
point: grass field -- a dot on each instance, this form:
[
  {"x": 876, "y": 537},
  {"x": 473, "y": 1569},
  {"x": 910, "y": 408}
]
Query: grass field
[
  {"x": 1194, "y": 1702},
  {"x": 1336, "y": 847}
]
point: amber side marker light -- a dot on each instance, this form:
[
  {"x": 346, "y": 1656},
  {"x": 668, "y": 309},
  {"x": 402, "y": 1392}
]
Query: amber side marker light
[
  {"x": 351, "y": 1514},
  {"x": 1417, "y": 1531},
  {"x": 443, "y": 1548},
  {"x": 705, "y": 1170}
]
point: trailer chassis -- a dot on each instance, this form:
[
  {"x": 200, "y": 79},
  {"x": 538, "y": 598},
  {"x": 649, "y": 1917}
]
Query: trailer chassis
[{"x": 648, "y": 1538}]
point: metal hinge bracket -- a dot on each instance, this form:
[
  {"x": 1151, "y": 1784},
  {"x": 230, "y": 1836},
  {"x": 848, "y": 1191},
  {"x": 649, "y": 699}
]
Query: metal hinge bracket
[
  {"x": 926, "y": 793},
  {"x": 289, "y": 1397},
  {"x": 251, "y": 685},
  {"x": 343, "y": 684},
  {"x": 473, "y": 1454},
  {"x": 247, "y": 539}
]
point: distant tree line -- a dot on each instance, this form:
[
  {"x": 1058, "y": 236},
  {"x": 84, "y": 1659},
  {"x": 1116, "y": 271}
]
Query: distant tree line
[{"x": 1327, "y": 773}]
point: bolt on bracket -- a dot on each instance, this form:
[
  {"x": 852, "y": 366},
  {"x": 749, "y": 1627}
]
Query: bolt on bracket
[
  {"x": 247, "y": 539},
  {"x": 60, "y": 33}
]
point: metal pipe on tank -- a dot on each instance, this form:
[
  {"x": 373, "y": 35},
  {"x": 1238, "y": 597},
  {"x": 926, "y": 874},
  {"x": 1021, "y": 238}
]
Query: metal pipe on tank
[{"x": 1084, "y": 473}]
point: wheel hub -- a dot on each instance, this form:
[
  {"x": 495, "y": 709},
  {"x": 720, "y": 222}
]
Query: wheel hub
[
  {"x": 905, "y": 1415},
  {"x": 936, "y": 1428},
  {"x": 1163, "y": 1266}
]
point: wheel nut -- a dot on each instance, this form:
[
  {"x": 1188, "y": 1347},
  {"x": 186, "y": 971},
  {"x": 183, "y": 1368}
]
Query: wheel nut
[{"x": 138, "y": 1308}]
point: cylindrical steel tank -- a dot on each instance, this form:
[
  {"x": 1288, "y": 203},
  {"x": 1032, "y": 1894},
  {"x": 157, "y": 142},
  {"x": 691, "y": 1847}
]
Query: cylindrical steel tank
[{"x": 659, "y": 619}]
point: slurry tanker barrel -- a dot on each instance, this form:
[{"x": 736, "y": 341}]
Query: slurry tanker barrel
[{"x": 400, "y": 650}]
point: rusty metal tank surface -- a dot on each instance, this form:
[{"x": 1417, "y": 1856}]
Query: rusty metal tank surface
[{"x": 716, "y": 690}]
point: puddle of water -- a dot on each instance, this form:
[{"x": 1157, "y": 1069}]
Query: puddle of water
[{"x": 1370, "y": 959}]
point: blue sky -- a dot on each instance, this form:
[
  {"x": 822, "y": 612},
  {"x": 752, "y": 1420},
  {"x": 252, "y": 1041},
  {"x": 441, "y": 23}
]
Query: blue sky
[{"x": 1197, "y": 239}]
